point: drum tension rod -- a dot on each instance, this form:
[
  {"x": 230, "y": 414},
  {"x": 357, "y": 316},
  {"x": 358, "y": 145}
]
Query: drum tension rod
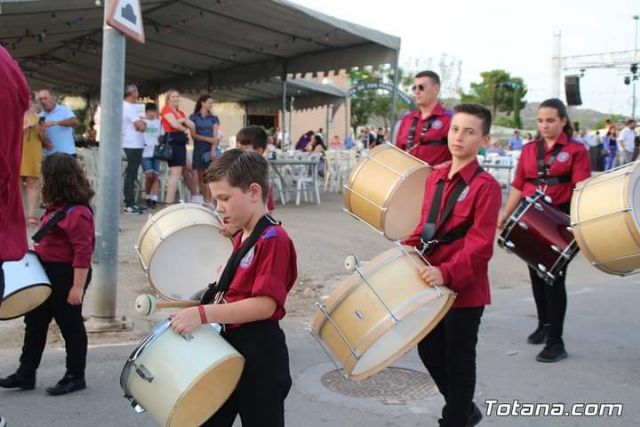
[
  {"x": 360, "y": 273},
  {"x": 344, "y": 339},
  {"x": 327, "y": 352}
]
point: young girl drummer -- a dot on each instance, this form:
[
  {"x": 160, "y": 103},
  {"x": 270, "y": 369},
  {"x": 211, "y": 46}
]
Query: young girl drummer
[
  {"x": 252, "y": 292},
  {"x": 553, "y": 163},
  {"x": 65, "y": 251}
]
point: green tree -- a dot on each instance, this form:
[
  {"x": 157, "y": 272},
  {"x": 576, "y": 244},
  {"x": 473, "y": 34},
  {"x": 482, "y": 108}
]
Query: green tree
[
  {"x": 501, "y": 92},
  {"x": 376, "y": 103}
]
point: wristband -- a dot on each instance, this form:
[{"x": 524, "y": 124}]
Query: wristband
[{"x": 203, "y": 314}]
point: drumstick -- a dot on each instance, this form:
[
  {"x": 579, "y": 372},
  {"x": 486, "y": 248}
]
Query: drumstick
[{"x": 147, "y": 304}]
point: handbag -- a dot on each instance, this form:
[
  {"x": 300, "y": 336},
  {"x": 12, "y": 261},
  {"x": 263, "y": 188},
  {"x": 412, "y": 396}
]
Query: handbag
[{"x": 163, "y": 151}]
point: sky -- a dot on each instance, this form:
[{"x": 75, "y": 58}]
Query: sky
[{"x": 514, "y": 35}]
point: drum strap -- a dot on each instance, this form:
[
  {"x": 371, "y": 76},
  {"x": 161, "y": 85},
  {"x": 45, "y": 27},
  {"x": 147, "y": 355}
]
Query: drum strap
[
  {"x": 543, "y": 168},
  {"x": 216, "y": 291},
  {"x": 429, "y": 243},
  {"x": 425, "y": 129},
  {"x": 56, "y": 218}
]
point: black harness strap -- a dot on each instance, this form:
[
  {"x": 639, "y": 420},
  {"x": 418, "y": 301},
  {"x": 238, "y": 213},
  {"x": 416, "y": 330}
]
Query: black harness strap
[
  {"x": 431, "y": 228},
  {"x": 543, "y": 168},
  {"x": 425, "y": 129},
  {"x": 216, "y": 290},
  {"x": 55, "y": 219}
]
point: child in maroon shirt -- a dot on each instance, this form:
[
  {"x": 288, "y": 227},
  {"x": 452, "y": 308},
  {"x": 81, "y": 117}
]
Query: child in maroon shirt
[
  {"x": 251, "y": 292},
  {"x": 456, "y": 234},
  {"x": 65, "y": 252}
]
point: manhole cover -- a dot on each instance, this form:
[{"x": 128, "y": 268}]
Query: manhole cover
[{"x": 392, "y": 384}]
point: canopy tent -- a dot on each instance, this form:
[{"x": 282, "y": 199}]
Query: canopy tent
[{"x": 193, "y": 45}]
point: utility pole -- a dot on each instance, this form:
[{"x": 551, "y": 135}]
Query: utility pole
[{"x": 103, "y": 311}]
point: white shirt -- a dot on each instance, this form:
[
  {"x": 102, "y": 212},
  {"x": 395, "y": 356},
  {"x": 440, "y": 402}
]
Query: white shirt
[
  {"x": 628, "y": 138},
  {"x": 131, "y": 138},
  {"x": 154, "y": 130}
]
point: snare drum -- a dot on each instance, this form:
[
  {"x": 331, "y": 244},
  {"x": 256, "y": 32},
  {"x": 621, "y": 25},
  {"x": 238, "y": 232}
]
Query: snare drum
[
  {"x": 26, "y": 286},
  {"x": 541, "y": 236},
  {"x": 182, "y": 251},
  {"x": 181, "y": 381},
  {"x": 379, "y": 313},
  {"x": 605, "y": 218},
  {"x": 386, "y": 189}
]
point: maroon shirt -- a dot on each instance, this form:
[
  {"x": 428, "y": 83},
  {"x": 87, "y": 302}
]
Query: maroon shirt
[
  {"x": 269, "y": 269},
  {"x": 71, "y": 240},
  {"x": 464, "y": 262},
  {"x": 14, "y": 93},
  {"x": 572, "y": 160},
  {"x": 432, "y": 154}
]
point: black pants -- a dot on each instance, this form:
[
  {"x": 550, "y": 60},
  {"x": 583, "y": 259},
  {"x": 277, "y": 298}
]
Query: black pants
[
  {"x": 449, "y": 354},
  {"x": 265, "y": 381},
  {"x": 68, "y": 317},
  {"x": 134, "y": 157},
  {"x": 551, "y": 303}
]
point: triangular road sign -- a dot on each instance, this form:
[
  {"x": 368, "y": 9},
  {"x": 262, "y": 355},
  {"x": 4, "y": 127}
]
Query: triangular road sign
[{"x": 126, "y": 16}]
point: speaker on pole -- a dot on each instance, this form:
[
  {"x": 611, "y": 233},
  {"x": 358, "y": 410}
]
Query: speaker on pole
[{"x": 572, "y": 90}]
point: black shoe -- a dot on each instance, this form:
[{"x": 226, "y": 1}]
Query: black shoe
[
  {"x": 539, "y": 335},
  {"x": 18, "y": 381},
  {"x": 552, "y": 352},
  {"x": 67, "y": 384},
  {"x": 475, "y": 417}
]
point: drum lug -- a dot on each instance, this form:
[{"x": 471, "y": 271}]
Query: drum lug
[
  {"x": 556, "y": 249},
  {"x": 523, "y": 225},
  {"x": 538, "y": 206},
  {"x": 358, "y": 314},
  {"x": 509, "y": 244},
  {"x": 569, "y": 229},
  {"x": 136, "y": 407},
  {"x": 144, "y": 373}
]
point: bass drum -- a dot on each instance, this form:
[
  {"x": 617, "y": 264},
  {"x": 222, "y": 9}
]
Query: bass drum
[
  {"x": 26, "y": 286},
  {"x": 182, "y": 251}
]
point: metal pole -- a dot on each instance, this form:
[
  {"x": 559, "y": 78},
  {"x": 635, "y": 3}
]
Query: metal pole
[
  {"x": 291, "y": 100},
  {"x": 394, "y": 94},
  {"x": 106, "y": 254},
  {"x": 634, "y": 77},
  {"x": 556, "y": 65},
  {"x": 327, "y": 133},
  {"x": 284, "y": 102},
  {"x": 347, "y": 122}
]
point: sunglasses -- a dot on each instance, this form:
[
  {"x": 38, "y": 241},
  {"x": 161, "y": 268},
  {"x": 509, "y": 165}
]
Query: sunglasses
[{"x": 418, "y": 88}]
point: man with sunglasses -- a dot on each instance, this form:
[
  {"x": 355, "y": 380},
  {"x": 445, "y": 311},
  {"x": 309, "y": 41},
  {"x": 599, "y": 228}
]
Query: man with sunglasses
[{"x": 423, "y": 133}]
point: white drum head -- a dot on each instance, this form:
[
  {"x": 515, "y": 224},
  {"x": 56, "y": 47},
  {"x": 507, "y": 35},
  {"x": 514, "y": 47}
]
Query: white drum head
[
  {"x": 402, "y": 336},
  {"x": 188, "y": 261}
]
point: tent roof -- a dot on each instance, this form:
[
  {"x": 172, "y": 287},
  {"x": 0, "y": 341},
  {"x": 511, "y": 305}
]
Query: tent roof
[{"x": 193, "y": 45}]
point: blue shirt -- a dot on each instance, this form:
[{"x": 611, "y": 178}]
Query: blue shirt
[
  {"x": 515, "y": 144},
  {"x": 60, "y": 136},
  {"x": 204, "y": 125}
]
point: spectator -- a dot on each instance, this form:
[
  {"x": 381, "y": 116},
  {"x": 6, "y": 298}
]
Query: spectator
[
  {"x": 205, "y": 143},
  {"x": 304, "y": 141},
  {"x": 335, "y": 143},
  {"x": 627, "y": 141},
  {"x": 133, "y": 128},
  {"x": 515, "y": 143},
  {"x": 56, "y": 125},
  {"x": 151, "y": 165},
  {"x": 175, "y": 125},
  {"x": 495, "y": 148},
  {"x": 317, "y": 145},
  {"x": 30, "y": 165},
  {"x": 610, "y": 148},
  {"x": 348, "y": 142},
  {"x": 527, "y": 138}
]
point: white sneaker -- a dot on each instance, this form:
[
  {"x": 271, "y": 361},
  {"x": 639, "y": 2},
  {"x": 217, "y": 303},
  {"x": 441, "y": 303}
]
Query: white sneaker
[
  {"x": 3, "y": 422},
  {"x": 197, "y": 199}
]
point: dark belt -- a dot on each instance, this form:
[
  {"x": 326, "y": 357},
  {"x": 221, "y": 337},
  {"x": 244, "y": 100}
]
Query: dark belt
[{"x": 553, "y": 180}]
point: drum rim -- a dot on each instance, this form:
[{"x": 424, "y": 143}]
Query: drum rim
[
  {"x": 153, "y": 335},
  {"x": 153, "y": 218},
  {"x": 6, "y": 297},
  {"x": 513, "y": 221}
]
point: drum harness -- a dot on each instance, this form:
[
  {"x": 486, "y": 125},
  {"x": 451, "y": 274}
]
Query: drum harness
[
  {"x": 428, "y": 241},
  {"x": 425, "y": 129},
  {"x": 543, "y": 180},
  {"x": 55, "y": 219},
  {"x": 215, "y": 293}
]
